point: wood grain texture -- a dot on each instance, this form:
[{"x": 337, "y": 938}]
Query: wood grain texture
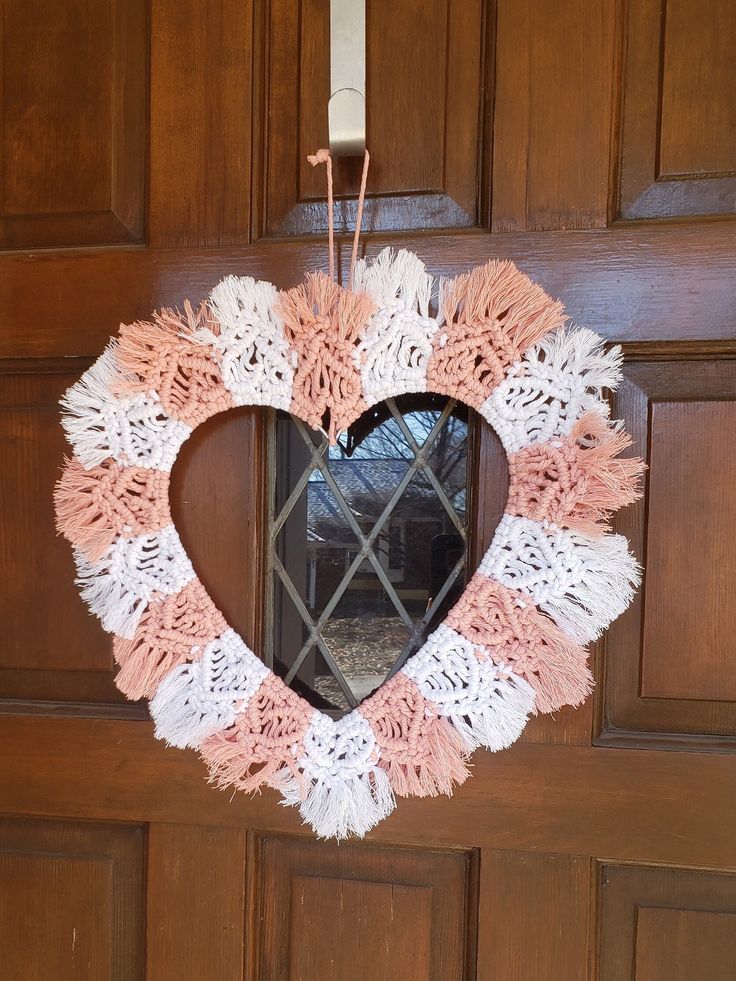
[
  {"x": 687, "y": 647},
  {"x": 698, "y": 125},
  {"x": 201, "y": 68},
  {"x": 679, "y": 414},
  {"x": 630, "y": 284},
  {"x": 71, "y": 901},
  {"x": 534, "y": 916},
  {"x": 74, "y": 118},
  {"x": 553, "y": 104},
  {"x": 559, "y": 799},
  {"x": 678, "y": 122},
  {"x": 36, "y": 566},
  {"x": 330, "y": 911},
  {"x": 218, "y": 504},
  {"x": 195, "y": 907},
  {"x": 424, "y": 94},
  {"x": 680, "y": 945},
  {"x": 666, "y": 924}
]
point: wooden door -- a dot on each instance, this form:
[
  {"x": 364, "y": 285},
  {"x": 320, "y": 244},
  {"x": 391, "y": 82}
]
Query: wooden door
[{"x": 150, "y": 148}]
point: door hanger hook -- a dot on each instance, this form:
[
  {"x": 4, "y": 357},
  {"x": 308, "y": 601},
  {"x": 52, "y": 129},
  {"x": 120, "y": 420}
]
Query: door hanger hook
[{"x": 346, "y": 109}]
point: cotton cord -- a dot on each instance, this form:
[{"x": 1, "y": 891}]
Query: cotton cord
[{"x": 324, "y": 156}]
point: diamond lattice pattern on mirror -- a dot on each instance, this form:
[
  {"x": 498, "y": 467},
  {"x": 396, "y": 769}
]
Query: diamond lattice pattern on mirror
[{"x": 367, "y": 544}]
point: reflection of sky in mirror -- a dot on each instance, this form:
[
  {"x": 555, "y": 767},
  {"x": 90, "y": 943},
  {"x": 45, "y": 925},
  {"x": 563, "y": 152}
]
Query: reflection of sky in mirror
[{"x": 387, "y": 442}]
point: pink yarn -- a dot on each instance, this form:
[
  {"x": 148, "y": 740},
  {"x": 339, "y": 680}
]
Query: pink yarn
[
  {"x": 492, "y": 315},
  {"x": 161, "y": 355},
  {"x": 518, "y": 634},
  {"x": 577, "y": 482},
  {"x": 421, "y": 752},
  {"x": 173, "y": 630},
  {"x": 263, "y": 744},
  {"x": 322, "y": 321},
  {"x": 94, "y": 507}
]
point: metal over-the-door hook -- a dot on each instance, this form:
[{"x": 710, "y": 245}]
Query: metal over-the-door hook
[{"x": 346, "y": 111}]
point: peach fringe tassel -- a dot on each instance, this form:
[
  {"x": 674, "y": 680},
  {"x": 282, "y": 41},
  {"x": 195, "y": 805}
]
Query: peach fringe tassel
[
  {"x": 519, "y": 635},
  {"x": 577, "y": 484},
  {"x": 423, "y": 754},
  {"x": 161, "y": 355},
  {"x": 492, "y": 314},
  {"x": 323, "y": 322},
  {"x": 173, "y": 629},
  {"x": 259, "y": 748},
  {"x": 93, "y": 507}
]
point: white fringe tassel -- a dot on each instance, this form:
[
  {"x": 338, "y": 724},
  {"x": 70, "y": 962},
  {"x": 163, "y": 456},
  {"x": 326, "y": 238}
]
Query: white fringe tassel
[
  {"x": 556, "y": 382},
  {"x": 341, "y": 791},
  {"x": 342, "y": 806},
  {"x": 87, "y": 406},
  {"x": 602, "y": 593},
  {"x": 396, "y": 346},
  {"x": 487, "y": 705},
  {"x": 195, "y": 700},
  {"x": 583, "y": 583},
  {"x": 395, "y": 279},
  {"x": 118, "y": 587},
  {"x": 133, "y": 430},
  {"x": 256, "y": 361}
]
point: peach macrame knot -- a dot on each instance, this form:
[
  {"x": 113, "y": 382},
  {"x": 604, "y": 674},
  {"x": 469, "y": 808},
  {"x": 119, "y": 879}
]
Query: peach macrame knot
[
  {"x": 162, "y": 355},
  {"x": 421, "y": 752},
  {"x": 94, "y": 507},
  {"x": 518, "y": 635},
  {"x": 320, "y": 157},
  {"x": 174, "y": 629},
  {"x": 491, "y": 314},
  {"x": 323, "y": 323},
  {"x": 263, "y": 745},
  {"x": 575, "y": 483}
]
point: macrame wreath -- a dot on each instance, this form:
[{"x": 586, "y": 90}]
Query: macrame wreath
[{"x": 551, "y": 581}]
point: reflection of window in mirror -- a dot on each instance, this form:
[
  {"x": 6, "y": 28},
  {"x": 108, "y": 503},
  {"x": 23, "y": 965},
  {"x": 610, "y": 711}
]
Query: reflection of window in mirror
[{"x": 367, "y": 545}]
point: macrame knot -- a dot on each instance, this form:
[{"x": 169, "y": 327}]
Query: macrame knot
[
  {"x": 320, "y": 157},
  {"x": 323, "y": 323}
]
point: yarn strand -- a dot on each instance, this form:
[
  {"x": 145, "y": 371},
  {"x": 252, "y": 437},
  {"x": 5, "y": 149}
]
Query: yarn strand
[{"x": 324, "y": 156}]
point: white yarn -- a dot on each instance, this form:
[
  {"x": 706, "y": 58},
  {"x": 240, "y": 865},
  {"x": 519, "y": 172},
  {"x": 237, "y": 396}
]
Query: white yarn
[
  {"x": 583, "y": 583},
  {"x": 486, "y": 704},
  {"x": 395, "y": 349},
  {"x": 119, "y": 586},
  {"x": 347, "y": 793},
  {"x": 134, "y": 430},
  {"x": 256, "y": 362},
  {"x": 551, "y": 387},
  {"x": 195, "y": 700},
  {"x": 395, "y": 277}
]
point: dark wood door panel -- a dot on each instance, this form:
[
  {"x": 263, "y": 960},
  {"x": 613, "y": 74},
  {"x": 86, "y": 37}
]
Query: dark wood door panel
[
  {"x": 553, "y": 77},
  {"x": 660, "y": 924},
  {"x": 330, "y": 911},
  {"x": 424, "y": 104},
  {"x": 195, "y": 903},
  {"x": 71, "y": 901},
  {"x": 201, "y": 119},
  {"x": 535, "y": 916},
  {"x": 74, "y": 123},
  {"x": 670, "y": 666},
  {"x": 52, "y": 650},
  {"x": 678, "y": 121}
]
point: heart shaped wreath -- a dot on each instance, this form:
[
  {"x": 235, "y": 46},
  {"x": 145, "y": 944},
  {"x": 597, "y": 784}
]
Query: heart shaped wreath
[{"x": 551, "y": 581}]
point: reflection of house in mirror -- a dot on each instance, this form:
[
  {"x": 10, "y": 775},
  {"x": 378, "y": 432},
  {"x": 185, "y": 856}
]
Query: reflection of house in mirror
[
  {"x": 369, "y": 537},
  {"x": 418, "y": 544}
]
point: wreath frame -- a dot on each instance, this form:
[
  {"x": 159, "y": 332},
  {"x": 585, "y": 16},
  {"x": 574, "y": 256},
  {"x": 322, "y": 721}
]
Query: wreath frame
[{"x": 551, "y": 581}]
